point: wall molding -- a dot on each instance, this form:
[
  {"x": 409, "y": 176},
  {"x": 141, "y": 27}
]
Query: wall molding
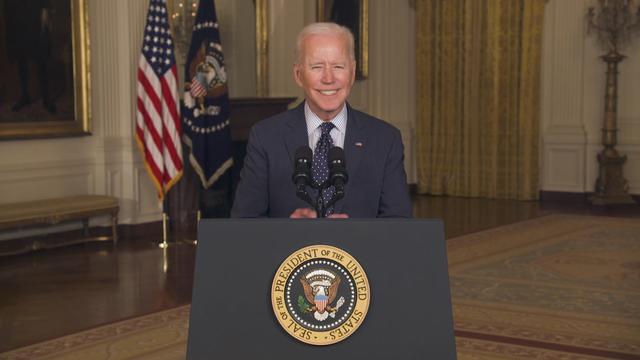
[
  {"x": 564, "y": 168},
  {"x": 573, "y": 103}
]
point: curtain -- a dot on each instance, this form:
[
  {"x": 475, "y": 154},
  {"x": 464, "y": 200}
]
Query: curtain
[{"x": 478, "y": 101}]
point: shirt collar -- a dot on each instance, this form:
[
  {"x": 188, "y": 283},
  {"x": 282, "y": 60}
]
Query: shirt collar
[{"x": 313, "y": 121}]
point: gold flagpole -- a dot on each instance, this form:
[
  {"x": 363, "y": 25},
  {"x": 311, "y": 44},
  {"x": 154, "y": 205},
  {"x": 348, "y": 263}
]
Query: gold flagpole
[
  {"x": 164, "y": 244},
  {"x": 198, "y": 217}
]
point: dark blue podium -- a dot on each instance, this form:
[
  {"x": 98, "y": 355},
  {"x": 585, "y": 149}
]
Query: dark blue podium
[{"x": 409, "y": 314}]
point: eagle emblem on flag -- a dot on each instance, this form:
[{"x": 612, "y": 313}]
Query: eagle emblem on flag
[
  {"x": 321, "y": 289},
  {"x": 206, "y": 110},
  {"x": 209, "y": 75}
]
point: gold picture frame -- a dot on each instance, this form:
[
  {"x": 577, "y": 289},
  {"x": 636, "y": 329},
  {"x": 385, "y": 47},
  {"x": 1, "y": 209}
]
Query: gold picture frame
[
  {"x": 64, "y": 108},
  {"x": 262, "y": 48},
  {"x": 354, "y": 14}
]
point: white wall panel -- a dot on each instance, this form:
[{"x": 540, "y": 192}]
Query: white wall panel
[
  {"x": 573, "y": 101},
  {"x": 286, "y": 19},
  {"x": 148, "y": 205},
  {"x": 46, "y": 180},
  {"x": 565, "y": 166},
  {"x": 238, "y": 36},
  {"x": 632, "y": 167}
]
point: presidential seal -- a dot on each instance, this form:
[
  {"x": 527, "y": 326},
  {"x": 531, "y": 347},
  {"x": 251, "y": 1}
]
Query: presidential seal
[{"x": 320, "y": 295}]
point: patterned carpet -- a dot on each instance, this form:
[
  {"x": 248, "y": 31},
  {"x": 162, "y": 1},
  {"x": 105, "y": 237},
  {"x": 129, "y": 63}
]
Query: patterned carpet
[
  {"x": 161, "y": 336},
  {"x": 556, "y": 287}
]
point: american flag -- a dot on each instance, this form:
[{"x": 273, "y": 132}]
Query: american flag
[
  {"x": 197, "y": 89},
  {"x": 158, "y": 121}
]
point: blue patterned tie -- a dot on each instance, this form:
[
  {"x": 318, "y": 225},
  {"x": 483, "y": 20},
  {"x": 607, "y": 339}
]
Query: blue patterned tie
[{"x": 320, "y": 164}]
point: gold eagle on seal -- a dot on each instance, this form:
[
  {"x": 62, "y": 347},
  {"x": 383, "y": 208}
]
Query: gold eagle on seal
[{"x": 321, "y": 288}]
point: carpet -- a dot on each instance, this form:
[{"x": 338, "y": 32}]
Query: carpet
[
  {"x": 555, "y": 287},
  {"x": 161, "y": 335},
  {"x": 565, "y": 285}
]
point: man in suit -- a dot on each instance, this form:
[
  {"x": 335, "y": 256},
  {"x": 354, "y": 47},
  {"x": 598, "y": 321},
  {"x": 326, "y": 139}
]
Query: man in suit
[{"x": 377, "y": 186}]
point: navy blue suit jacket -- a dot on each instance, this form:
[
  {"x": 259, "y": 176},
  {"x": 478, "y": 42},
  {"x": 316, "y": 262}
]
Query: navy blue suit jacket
[{"x": 374, "y": 155}]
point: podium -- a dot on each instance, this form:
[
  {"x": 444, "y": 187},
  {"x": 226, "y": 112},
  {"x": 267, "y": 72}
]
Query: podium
[{"x": 409, "y": 307}]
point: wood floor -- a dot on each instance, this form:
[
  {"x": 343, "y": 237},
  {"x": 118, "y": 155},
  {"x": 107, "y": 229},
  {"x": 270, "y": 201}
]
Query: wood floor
[{"x": 57, "y": 292}]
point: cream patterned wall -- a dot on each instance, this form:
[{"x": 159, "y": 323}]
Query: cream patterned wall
[{"x": 573, "y": 102}]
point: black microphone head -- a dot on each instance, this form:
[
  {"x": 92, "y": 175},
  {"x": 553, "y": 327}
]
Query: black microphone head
[
  {"x": 337, "y": 167},
  {"x": 336, "y": 156},
  {"x": 302, "y": 166},
  {"x": 303, "y": 153}
]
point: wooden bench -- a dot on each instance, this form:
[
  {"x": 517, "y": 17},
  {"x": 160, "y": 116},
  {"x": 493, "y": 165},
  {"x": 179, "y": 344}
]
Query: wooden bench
[{"x": 55, "y": 211}]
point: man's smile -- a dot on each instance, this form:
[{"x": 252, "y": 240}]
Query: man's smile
[{"x": 328, "y": 92}]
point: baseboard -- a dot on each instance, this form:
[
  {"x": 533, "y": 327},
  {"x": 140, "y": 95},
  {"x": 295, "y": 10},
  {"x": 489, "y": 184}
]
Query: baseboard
[
  {"x": 564, "y": 197},
  {"x": 572, "y": 198},
  {"x": 151, "y": 229},
  {"x": 128, "y": 233}
]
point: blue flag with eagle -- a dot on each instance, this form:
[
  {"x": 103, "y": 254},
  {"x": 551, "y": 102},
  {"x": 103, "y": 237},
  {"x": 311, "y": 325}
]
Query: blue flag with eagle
[{"x": 205, "y": 113}]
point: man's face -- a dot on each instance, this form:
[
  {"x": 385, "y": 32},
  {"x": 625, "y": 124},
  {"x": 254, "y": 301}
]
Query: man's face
[{"x": 326, "y": 73}]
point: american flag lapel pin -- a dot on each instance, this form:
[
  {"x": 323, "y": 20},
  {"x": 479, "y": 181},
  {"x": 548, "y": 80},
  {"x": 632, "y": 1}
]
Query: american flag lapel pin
[{"x": 358, "y": 144}]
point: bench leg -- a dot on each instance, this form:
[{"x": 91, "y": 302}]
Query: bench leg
[
  {"x": 114, "y": 227},
  {"x": 85, "y": 227}
]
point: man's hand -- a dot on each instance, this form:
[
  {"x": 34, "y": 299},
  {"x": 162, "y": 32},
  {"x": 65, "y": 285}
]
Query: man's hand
[
  {"x": 303, "y": 213},
  {"x": 308, "y": 213},
  {"x": 338, "y": 216}
]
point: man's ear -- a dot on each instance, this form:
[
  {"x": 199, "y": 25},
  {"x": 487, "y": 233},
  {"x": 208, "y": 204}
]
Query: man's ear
[
  {"x": 296, "y": 74},
  {"x": 353, "y": 72}
]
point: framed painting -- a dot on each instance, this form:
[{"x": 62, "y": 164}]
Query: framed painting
[
  {"x": 353, "y": 14},
  {"x": 44, "y": 67}
]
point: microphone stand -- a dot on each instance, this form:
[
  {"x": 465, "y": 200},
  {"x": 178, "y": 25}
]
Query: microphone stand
[
  {"x": 336, "y": 196},
  {"x": 338, "y": 178},
  {"x": 301, "y": 192},
  {"x": 319, "y": 206}
]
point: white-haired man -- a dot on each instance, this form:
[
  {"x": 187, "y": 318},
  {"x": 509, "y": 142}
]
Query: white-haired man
[{"x": 377, "y": 185}]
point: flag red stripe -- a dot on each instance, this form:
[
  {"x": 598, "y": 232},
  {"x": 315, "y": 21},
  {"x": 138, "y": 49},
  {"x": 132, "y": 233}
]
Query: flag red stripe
[
  {"x": 174, "y": 107},
  {"x": 149, "y": 157},
  {"x": 148, "y": 122},
  {"x": 169, "y": 98},
  {"x": 158, "y": 169},
  {"x": 150, "y": 91},
  {"x": 171, "y": 105},
  {"x": 197, "y": 89},
  {"x": 171, "y": 149}
]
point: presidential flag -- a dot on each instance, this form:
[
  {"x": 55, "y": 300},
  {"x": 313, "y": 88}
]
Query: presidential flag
[
  {"x": 205, "y": 113},
  {"x": 157, "y": 119}
]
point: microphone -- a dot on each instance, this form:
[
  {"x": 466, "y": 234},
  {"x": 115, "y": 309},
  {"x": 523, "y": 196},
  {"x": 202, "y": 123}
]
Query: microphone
[
  {"x": 338, "y": 170},
  {"x": 302, "y": 166},
  {"x": 302, "y": 173}
]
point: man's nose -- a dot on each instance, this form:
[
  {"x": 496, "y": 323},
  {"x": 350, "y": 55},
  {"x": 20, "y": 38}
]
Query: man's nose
[{"x": 327, "y": 75}]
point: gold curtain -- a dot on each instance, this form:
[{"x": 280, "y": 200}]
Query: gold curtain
[{"x": 478, "y": 102}]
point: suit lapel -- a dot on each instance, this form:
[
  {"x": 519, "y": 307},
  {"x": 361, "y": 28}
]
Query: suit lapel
[
  {"x": 354, "y": 142},
  {"x": 296, "y": 134}
]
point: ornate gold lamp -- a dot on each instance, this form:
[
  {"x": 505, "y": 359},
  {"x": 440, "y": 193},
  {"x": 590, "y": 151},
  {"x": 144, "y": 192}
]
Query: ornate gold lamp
[{"x": 615, "y": 23}]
